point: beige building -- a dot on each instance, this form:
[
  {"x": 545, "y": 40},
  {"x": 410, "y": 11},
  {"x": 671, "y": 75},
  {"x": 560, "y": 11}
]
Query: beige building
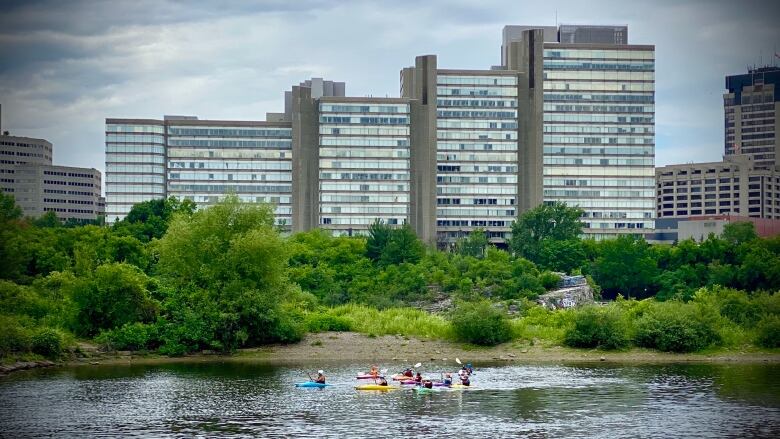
[
  {"x": 38, "y": 186},
  {"x": 734, "y": 186}
]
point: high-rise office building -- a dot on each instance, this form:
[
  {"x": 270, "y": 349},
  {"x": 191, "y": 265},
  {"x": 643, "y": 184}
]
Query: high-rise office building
[
  {"x": 599, "y": 118},
  {"x": 751, "y": 108},
  {"x": 38, "y": 186},
  {"x": 199, "y": 160}
]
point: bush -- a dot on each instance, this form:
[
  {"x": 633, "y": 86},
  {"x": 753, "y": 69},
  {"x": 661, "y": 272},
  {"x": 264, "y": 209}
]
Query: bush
[
  {"x": 549, "y": 280},
  {"x": 47, "y": 342},
  {"x": 768, "y": 332},
  {"x": 130, "y": 337},
  {"x": 598, "y": 328},
  {"x": 480, "y": 323},
  {"x": 676, "y": 327},
  {"x": 326, "y": 322},
  {"x": 14, "y": 338}
]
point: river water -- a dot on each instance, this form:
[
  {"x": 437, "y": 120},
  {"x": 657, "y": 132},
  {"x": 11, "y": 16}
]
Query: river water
[{"x": 240, "y": 399}]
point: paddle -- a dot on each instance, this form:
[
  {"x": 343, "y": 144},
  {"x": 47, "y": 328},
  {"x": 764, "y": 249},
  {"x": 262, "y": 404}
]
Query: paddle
[{"x": 310, "y": 378}]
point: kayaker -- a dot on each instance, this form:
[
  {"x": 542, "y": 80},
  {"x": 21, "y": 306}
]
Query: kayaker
[
  {"x": 469, "y": 368},
  {"x": 418, "y": 378},
  {"x": 447, "y": 379},
  {"x": 320, "y": 377},
  {"x": 374, "y": 371},
  {"x": 428, "y": 384},
  {"x": 408, "y": 373},
  {"x": 464, "y": 379},
  {"x": 382, "y": 381}
]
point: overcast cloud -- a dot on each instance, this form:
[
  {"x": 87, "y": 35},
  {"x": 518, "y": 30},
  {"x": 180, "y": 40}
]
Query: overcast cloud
[{"x": 66, "y": 66}]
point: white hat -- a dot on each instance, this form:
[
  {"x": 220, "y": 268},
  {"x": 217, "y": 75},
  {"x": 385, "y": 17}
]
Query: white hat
[{"x": 320, "y": 372}]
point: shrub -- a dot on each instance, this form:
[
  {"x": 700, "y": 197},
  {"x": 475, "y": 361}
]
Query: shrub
[
  {"x": 480, "y": 323},
  {"x": 317, "y": 322},
  {"x": 676, "y": 327},
  {"x": 47, "y": 342},
  {"x": 768, "y": 332},
  {"x": 130, "y": 337},
  {"x": 14, "y": 338},
  {"x": 549, "y": 280},
  {"x": 598, "y": 328}
]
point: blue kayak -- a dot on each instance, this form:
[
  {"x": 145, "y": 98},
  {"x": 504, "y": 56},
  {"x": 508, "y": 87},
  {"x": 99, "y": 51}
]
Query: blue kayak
[{"x": 311, "y": 384}]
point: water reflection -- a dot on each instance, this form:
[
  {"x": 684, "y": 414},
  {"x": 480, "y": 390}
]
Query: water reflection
[{"x": 235, "y": 399}]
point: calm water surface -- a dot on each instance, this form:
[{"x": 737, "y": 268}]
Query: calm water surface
[{"x": 247, "y": 399}]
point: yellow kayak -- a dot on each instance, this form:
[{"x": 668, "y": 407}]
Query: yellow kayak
[
  {"x": 460, "y": 386},
  {"x": 375, "y": 387}
]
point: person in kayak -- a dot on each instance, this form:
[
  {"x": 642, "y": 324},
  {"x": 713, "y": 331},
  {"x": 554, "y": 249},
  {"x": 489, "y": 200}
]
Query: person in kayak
[
  {"x": 408, "y": 373},
  {"x": 447, "y": 379},
  {"x": 418, "y": 379},
  {"x": 374, "y": 371},
  {"x": 382, "y": 381},
  {"x": 464, "y": 379},
  {"x": 428, "y": 384},
  {"x": 320, "y": 377}
]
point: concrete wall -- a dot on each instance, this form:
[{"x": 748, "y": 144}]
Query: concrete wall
[{"x": 305, "y": 167}]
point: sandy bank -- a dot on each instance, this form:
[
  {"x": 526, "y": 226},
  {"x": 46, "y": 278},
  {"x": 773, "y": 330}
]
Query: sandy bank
[{"x": 331, "y": 347}]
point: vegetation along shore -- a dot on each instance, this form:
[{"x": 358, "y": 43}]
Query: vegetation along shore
[{"x": 172, "y": 281}]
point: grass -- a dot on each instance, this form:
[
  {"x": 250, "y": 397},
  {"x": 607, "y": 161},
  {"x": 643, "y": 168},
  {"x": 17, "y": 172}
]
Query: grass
[{"x": 408, "y": 322}]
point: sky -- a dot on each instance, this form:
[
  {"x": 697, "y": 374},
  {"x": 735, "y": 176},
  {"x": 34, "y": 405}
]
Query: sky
[{"x": 66, "y": 66}]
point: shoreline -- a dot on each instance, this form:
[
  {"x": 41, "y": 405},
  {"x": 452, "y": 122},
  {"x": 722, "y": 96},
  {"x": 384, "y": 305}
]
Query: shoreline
[{"x": 348, "y": 347}]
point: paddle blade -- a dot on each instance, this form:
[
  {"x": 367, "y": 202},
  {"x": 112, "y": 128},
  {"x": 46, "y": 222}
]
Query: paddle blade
[
  {"x": 418, "y": 365},
  {"x": 457, "y": 360}
]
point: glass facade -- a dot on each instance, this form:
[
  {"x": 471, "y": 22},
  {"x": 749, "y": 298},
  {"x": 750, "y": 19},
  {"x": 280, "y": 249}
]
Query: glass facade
[
  {"x": 253, "y": 161},
  {"x": 599, "y": 136},
  {"x": 135, "y": 165},
  {"x": 363, "y": 165},
  {"x": 476, "y": 151}
]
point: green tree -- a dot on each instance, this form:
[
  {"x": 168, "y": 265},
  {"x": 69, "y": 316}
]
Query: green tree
[
  {"x": 227, "y": 265},
  {"x": 739, "y": 232},
  {"x": 48, "y": 219},
  {"x": 625, "y": 266},
  {"x": 114, "y": 295},
  {"x": 149, "y": 220},
  {"x": 378, "y": 238},
  {"x": 475, "y": 244},
  {"x": 403, "y": 246},
  {"x": 537, "y": 233},
  {"x": 9, "y": 210}
]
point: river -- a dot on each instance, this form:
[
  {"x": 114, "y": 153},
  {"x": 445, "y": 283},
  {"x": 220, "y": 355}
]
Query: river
[{"x": 240, "y": 399}]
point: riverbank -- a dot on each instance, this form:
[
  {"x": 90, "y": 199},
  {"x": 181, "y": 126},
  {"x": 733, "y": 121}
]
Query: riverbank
[{"x": 341, "y": 347}]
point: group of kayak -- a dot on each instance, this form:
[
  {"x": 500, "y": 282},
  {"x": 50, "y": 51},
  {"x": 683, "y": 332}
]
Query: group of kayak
[{"x": 408, "y": 377}]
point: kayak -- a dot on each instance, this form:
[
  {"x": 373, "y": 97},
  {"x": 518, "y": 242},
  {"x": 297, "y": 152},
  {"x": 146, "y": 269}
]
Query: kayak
[
  {"x": 408, "y": 382},
  {"x": 460, "y": 386},
  {"x": 312, "y": 384},
  {"x": 375, "y": 387},
  {"x": 368, "y": 376},
  {"x": 401, "y": 377},
  {"x": 423, "y": 390}
]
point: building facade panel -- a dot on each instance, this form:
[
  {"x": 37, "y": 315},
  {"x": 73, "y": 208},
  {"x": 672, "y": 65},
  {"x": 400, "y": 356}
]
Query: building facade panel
[
  {"x": 135, "y": 164},
  {"x": 364, "y": 169}
]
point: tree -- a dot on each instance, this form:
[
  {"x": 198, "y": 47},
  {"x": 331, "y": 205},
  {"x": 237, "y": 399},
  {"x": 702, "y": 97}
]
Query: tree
[
  {"x": 403, "y": 246},
  {"x": 537, "y": 235},
  {"x": 625, "y": 266},
  {"x": 227, "y": 265},
  {"x": 149, "y": 220},
  {"x": 9, "y": 210},
  {"x": 474, "y": 244},
  {"x": 114, "y": 295},
  {"x": 48, "y": 219},
  {"x": 378, "y": 237},
  {"x": 740, "y": 232}
]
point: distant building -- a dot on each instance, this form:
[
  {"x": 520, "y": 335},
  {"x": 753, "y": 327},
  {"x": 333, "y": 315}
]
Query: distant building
[
  {"x": 735, "y": 186},
  {"x": 751, "y": 106},
  {"x": 38, "y": 186}
]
